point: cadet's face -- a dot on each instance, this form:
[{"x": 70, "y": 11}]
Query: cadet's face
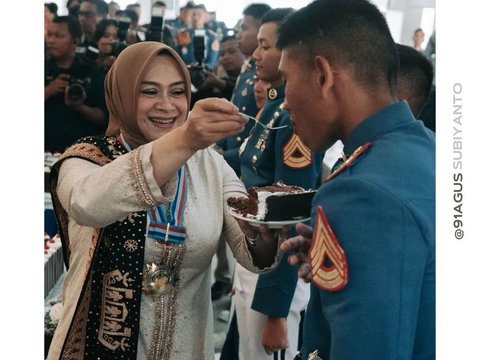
[
  {"x": 310, "y": 118},
  {"x": 198, "y": 19},
  {"x": 186, "y": 16},
  {"x": 162, "y": 102},
  {"x": 419, "y": 37},
  {"x": 267, "y": 56},
  {"x": 59, "y": 42},
  {"x": 247, "y": 36},
  {"x": 230, "y": 56}
]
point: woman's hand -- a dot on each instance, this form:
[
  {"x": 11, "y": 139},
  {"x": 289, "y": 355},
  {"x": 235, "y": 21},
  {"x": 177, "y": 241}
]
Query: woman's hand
[
  {"x": 263, "y": 242},
  {"x": 211, "y": 120}
]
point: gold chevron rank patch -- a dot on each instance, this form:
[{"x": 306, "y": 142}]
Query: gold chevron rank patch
[
  {"x": 327, "y": 260},
  {"x": 296, "y": 154}
]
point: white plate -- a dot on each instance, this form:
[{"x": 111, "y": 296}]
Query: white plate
[{"x": 270, "y": 224}]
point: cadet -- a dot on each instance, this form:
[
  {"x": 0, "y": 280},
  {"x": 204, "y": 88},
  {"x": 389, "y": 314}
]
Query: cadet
[
  {"x": 184, "y": 19},
  {"x": 269, "y": 156},
  {"x": 243, "y": 96},
  {"x": 371, "y": 255},
  {"x": 185, "y": 40}
]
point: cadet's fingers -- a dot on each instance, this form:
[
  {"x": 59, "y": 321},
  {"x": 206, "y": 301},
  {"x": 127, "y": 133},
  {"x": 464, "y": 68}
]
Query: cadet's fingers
[
  {"x": 304, "y": 272},
  {"x": 298, "y": 257},
  {"x": 304, "y": 230},
  {"x": 293, "y": 260},
  {"x": 293, "y": 244}
]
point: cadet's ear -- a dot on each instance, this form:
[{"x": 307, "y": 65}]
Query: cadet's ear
[{"x": 324, "y": 73}]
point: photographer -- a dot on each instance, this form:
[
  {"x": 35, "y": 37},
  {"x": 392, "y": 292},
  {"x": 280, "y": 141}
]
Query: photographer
[
  {"x": 74, "y": 90},
  {"x": 220, "y": 83},
  {"x": 107, "y": 42},
  {"x": 186, "y": 45},
  {"x": 90, "y": 13}
]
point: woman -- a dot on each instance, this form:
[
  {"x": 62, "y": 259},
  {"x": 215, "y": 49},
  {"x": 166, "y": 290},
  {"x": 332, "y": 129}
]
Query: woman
[
  {"x": 141, "y": 214},
  {"x": 106, "y": 38}
]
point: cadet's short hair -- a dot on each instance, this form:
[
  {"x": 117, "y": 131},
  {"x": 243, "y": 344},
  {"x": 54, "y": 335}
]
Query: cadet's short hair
[
  {"x": 353, "y": 33},
  {"x": 415, "y": 76},
  {"x": 277, "y": 16},
  {"x": 228, "y": 38},
  {"x": 52, "y": 7},
  {"x": 73, "y": 25},
  {"x": 256, "y": 10},
  {"x": 102, "y": 6}
]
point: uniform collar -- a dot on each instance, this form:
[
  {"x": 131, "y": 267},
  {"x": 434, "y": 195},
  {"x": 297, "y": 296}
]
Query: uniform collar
[{"x": 378, "y": 123}]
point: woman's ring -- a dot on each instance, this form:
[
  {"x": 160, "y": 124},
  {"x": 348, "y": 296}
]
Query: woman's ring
[{"x": 252, "y": 241}]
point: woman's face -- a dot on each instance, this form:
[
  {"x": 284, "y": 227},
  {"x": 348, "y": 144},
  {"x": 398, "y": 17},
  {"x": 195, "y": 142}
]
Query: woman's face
[
  {"x": 162, "y": 103},
  {"x": 108, "y": 38},
  {"x": 260, "y": 89}
]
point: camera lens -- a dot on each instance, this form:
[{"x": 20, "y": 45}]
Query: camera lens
[{"x": 75, "y": 92}]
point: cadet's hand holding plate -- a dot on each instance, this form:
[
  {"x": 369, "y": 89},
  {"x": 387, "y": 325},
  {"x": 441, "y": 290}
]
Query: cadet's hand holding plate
[{"x": 300, "y": 245}]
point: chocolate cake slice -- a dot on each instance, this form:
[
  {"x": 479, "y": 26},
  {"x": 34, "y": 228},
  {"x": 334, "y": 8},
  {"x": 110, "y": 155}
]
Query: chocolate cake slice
[{"x": 277, "y": 202}]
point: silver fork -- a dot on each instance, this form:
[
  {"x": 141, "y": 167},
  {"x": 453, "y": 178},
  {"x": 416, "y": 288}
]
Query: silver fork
[{"x": 262, "y": 124}]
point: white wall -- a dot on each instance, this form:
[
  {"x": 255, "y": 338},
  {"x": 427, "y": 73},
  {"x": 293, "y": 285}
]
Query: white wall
[{"x": 412, "y": 18}]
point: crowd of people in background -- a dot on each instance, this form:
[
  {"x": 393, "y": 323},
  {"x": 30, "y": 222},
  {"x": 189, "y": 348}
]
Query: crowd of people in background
[
  {"x": 108, "y": 29},
  {"x": 250, "y": 66}
]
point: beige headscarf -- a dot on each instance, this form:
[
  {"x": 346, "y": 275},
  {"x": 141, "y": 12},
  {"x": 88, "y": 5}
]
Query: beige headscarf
[{"x": 122, "y": 86}]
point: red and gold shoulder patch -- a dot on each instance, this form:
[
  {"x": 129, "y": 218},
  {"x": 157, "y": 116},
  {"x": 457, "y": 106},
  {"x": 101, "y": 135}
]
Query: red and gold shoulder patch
[
  {"x": 296, "y": 154},
  {"x": 356, "y": 154},
  {"x": 327, "y": 260}
]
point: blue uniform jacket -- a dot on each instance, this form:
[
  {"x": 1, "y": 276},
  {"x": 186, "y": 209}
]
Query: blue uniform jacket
[
  {"x": 244, "y": 98},
  {"x": 271, "y": 156},
  {"x": 382, "y": 212}
]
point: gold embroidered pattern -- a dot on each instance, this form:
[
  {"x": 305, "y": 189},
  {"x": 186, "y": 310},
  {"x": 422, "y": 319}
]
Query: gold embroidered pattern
[
  {"x": 137, "y": 180},
  {"x": 91, "y": 250},
  {"x": 166, "y": 305},
  {"x": 87, "y": 151},
  {"x": 130, "y": 245},
  {"x": 115, "y": 294},
  {"x": 75, "y": 339}
]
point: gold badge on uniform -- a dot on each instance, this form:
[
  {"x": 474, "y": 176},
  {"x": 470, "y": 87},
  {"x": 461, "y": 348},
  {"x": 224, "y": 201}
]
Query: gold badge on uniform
[
  {"x": 296, "y": 154},
  {"x": 328, "y": 263},
  {"x": 272, "y": 94},
  {"x": 183, "y": 37},
  {"x": 215, "y": 45}
]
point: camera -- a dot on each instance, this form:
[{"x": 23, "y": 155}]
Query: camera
[
  {"x": 155, "y": 31},
  {"x": 123, "y": 26},
  {"x": 80, "y": 79},
  {"x": 196, "y": 70},
  {"x": 117, "y": 48}
]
